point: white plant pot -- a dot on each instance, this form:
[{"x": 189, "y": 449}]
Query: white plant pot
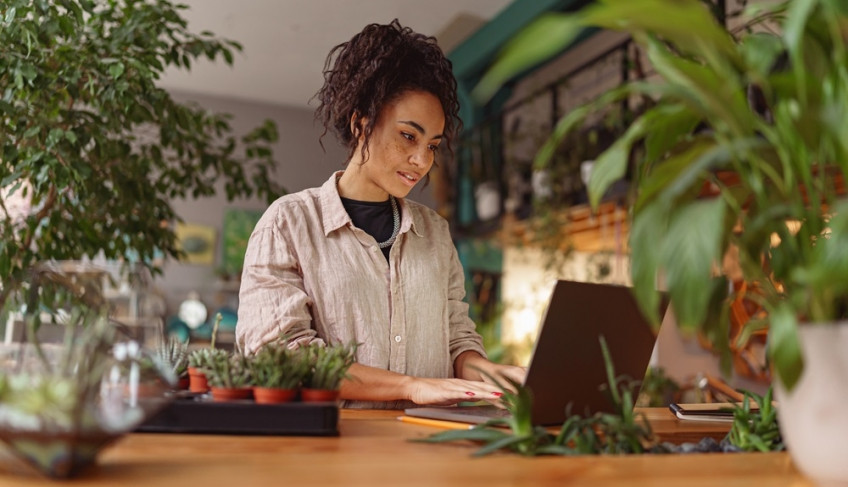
[{"x": 814, "y": 415}]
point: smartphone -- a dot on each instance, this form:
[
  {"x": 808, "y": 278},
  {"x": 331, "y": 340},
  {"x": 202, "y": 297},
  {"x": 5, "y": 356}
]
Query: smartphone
[{"x": 713, "y": 411}]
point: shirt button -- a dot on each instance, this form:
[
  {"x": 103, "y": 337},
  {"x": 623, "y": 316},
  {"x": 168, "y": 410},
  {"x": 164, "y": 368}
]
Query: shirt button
[{"x": 397, "y": 339}]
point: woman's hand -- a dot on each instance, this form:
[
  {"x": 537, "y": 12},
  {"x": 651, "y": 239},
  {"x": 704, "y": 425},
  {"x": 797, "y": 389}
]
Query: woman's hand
[
  {"x": 444, "y": 392},
  {"x": 471, "y": 365},
  {"x": 499, "y": 372}
]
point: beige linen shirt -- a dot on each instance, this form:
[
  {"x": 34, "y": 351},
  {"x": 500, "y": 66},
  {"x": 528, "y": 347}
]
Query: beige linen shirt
[{"x": 310, "y": 273}]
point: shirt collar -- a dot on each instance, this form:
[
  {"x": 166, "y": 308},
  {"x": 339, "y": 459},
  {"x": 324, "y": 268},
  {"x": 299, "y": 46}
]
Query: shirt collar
[
  {"x": 334, "y": 213},
  {"x": 335, "y": 216}
]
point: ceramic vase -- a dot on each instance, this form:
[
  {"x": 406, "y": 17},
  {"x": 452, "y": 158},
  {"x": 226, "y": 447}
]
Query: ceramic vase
[{"x": 813, "y": 416}]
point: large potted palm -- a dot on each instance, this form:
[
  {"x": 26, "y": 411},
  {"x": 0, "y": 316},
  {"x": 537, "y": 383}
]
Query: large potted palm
[{"x": 759, "y": 120}]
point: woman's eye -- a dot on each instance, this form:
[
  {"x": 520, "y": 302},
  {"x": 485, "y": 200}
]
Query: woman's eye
[
  {"x": 407, "y": 136},
  {"x": 433, "y": 148}
]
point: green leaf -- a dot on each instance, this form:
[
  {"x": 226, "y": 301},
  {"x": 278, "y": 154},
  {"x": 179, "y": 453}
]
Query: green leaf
[
  {"x": 760, "y": 50},
  {"x": 10, "y": 14},
  {"x": 713, "y": 94},
  {"x": 610, "y": 166},
  {"x": 686, "y": 24},
  {"x": 784, "y": 347},
  {"x": 473, "y": 434},
  {"x": 669, "y": 124},
  {"x": 116, "y": 70},
  {"x": 543, "y": 38},
  {"x": 32, "y": 131},
  {"x": 693, "y": 237},
  {"x": 506, "y": 441},
  {"x": 649, "y": 227}
]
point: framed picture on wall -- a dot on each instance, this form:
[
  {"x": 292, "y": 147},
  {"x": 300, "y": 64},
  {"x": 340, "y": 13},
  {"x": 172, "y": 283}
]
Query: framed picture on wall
[
  {"x": 238, "y": 225},
  {"x": 198, "y": 243}
]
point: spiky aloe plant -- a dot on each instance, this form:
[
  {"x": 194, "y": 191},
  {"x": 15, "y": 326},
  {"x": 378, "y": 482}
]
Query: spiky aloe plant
[
  {"x": 174, "y": 355},
  {"x": 618, "y": 432}
]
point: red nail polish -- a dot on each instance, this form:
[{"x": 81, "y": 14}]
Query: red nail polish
[
  {"x": 497, "y": 394},
  {"x": 469, "y": 393}
]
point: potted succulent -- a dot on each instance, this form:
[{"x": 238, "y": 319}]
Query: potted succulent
[
  {"x": 757, "y": 120},
  {"x": 173, "y": 353},
  {"x": 228, "y": 375},
  {"x": 197, "y": 359},
  {"x": 328, "y": 365},
  {"x": 200, "y": 358},
  {"x": 276, "y": 373}
]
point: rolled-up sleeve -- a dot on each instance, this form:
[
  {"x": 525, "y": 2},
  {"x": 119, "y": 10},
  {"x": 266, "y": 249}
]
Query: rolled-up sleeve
[
  {"x": 272, "y": 299},
  {"x": 463, "y": 335}
]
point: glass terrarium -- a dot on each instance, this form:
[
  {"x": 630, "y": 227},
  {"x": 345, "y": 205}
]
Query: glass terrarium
[
  {"x": 61, "y": 403},
  {"x": 58, "y": 417}
]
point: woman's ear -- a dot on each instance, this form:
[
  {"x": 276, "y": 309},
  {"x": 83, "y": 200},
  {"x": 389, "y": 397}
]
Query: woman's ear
[
  {"x": 355, "y": 126},
  {"x": 356, "y": 123}
]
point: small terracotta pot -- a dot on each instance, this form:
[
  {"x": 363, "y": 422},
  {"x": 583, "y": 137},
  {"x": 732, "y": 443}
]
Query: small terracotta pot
[
  {"x": 183, "y": 383},
  {"x": 197, "y": 380},
  {"x": 272, "y": 395},
  {"x": 223, "y": 394},
  {"x": 319, "y": 395}
]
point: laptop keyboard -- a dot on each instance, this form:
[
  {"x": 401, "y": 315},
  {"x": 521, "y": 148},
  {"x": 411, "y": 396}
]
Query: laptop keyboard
[{"x": 490, "y": 411}]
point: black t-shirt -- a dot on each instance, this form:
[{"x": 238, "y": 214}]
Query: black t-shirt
[{"x": 375, "y": 218}]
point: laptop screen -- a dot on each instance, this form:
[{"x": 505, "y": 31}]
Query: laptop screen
[{"x": 567, "y": 368}]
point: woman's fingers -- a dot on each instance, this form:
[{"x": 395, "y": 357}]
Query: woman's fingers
[{"x": 452, "y": 391}]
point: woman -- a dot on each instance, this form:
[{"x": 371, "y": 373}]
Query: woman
[{"x": 354, "y": 260}]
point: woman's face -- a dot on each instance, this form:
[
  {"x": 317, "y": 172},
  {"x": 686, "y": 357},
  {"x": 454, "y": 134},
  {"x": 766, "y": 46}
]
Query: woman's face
[{"x": 401, "y": 150}]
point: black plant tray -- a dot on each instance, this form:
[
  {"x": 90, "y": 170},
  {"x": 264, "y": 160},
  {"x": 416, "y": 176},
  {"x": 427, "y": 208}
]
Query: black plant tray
[{"x": 199, "y": 414}]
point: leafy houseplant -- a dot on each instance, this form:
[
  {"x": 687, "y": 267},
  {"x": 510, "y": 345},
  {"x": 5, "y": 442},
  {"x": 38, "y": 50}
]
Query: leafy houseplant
[
  {"x": 93, "y": 151},
  {"x": 758, "y": 119},
  {"x": 619, "y": 432},
  {"x": 328, "y": 365},
  {"x": 277, "y": 371}
]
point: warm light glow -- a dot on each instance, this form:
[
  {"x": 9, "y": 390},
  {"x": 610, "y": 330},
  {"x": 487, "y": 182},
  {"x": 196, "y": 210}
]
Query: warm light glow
[{"x": 528, "y": 281}]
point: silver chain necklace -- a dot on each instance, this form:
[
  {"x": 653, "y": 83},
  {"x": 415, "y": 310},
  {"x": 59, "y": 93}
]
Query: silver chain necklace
[{"x": 395, "y": 222}]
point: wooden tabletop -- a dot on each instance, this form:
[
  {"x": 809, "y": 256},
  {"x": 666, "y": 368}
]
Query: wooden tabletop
[{"x": 373, "y": 450}]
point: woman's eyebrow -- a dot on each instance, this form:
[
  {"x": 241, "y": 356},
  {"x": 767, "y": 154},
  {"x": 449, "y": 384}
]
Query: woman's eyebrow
[{"x": 419, "y": 128}]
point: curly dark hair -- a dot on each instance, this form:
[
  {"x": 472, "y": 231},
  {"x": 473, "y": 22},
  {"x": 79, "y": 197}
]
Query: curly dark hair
[{"x": 374, "y": 68}]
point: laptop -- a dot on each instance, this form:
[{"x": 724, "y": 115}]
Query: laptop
[{"x": 567, "y": 366}]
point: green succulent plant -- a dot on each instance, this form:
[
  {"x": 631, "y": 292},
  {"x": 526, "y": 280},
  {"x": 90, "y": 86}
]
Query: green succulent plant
[
  {"x": 200, "y": 357},
  {"x": 756, "y": 429},
  {"x": 224, "y": 369},
  {"x": 174, "y": 354},
  {"x": 276, "y": 366},
  {"x": 328, "y": 365}
]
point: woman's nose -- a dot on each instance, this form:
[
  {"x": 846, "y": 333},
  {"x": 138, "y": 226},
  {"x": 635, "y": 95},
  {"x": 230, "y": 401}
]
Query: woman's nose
[{"x": 421, "y": 157}]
